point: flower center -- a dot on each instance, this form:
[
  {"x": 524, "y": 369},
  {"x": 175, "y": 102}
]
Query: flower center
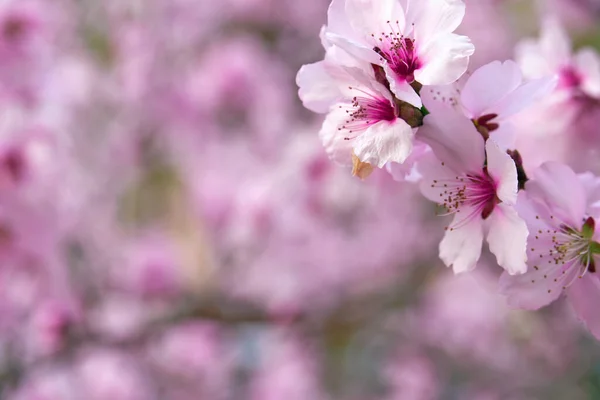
[
  {"x": 477, "y": 192},
  {"x": 14, "y": 165},
  {"x": 566, "y": 254},
  {"x": 398, "y": 51},
  {"x": 14, "y": 28},
  {"x": 569, "y": 78},
  {"x": 365, "y": 111},
  {"x": 485, "y": 125}
]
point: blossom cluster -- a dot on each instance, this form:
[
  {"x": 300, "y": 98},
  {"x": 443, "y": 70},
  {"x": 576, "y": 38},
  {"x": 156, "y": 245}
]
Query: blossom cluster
[{"x": 400, "y": 95}]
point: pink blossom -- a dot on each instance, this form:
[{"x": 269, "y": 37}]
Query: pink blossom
[
  {"x": 108, "y": 374},
  {"x": 466, "y": 317},
  {"x": 478, "y": 185},
  {"x": 551, "y": 55},
  {"x": 365, "y": 124},
  {"x": 490, "y": 97},
  {"x": 411, "y": 40},
  {"x": 287, "y": 370},
  {"x": 196, "y": 354},
  {"x": 562, "y": 247}
]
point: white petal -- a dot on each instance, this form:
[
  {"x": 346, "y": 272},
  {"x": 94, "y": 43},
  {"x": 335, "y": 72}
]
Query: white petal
[
  {"x": 318, "y": 90},
  {"x": 384, "y": 142},
  {"x": 401, "y": 89},
  {"x": 435, "y": 17},
  {"x": 355, "y": 48},
  {"x": 507, "y": 238},
  {"x": 588, "y": 62},
  {"x": 338, "y": 149},
  {"x": 369, "y": 17},
  {"x": 337, "y": 20},
  {"x": 532, "y": 60},
  {"x": 555, "y": 43},
  {"x": 408, "y": 171},
  {"x": 461, "y": 247},
  {"x": 445, "y": 59},
  {"x": 488, "y": 85},
  {"x": 504, "y": 172}
]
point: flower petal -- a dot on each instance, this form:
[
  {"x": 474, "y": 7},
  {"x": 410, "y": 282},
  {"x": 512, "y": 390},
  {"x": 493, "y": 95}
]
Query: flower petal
[
  {"x": 507, "y": 239},
  {"x": 523, "y": 97},
  {"x": 402, "y": 89},
  {"x": 318, "y": 91},
  {"x": 355, "y": 48},
  {"x": 504, "y": 172},
  {"x": 588, "y": 62},
  {"x": 528, "y": 291},
  {"x": 545, "y": 279},
  {"x": 369, "y": 17},
  {"x": 338, "y": 149},
  {"x": 338, "y": 22},
  {"x": 445, "y": 59},
  {"x": 453, "y": 138},
  {"x": 461, "y": 247},
  {"x": 544, "y": 57},
  {"x": 408, "y": 170},
  {"x": 558, "y": 187},
  {"x": 555, "y": 43},
  {"x": 591, "y": 186},
  {"x": 384, "y": 142},
  {"x": 433, "y": 172},
  {"x": 584, "y": 297},
  {"x": 505, "y": 136},
  {"x": 488, "y": 85},
  {"x": 435, "y": 17}
]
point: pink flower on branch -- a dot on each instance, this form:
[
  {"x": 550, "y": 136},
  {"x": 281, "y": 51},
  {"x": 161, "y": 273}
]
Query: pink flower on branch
[
  {"x": 562, "y": 248},
  {"x": 364, "y": 128},
  {"x": 412, "y": 40},
  {"x": 477, "y": 183}
]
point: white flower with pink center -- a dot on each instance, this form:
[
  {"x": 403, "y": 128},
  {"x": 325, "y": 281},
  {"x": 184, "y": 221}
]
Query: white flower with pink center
[
  {"x": 364, "y": 124},
  {"x": 490, "y": 97},
  {"x": 551, "y": 54},
  {"x": 412, "y": 40},
  {"x": 563, "y": 245},
  {"x": 477, "y": 183}
]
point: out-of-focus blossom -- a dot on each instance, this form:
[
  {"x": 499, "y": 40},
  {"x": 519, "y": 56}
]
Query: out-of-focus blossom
[
  {"x": 313, "y": 210},
  {"x": 465, "y": 317},
  {"x": 195, "y": 356},
  {"x": 412, "y": 377},
  {"x": 578, "y": 74},
  {"x": 103, "y": 374},
  {"x": 562, "y": 247},
  {"x": 288, "y": 369},
  {"x": 489, "y": 28}
]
